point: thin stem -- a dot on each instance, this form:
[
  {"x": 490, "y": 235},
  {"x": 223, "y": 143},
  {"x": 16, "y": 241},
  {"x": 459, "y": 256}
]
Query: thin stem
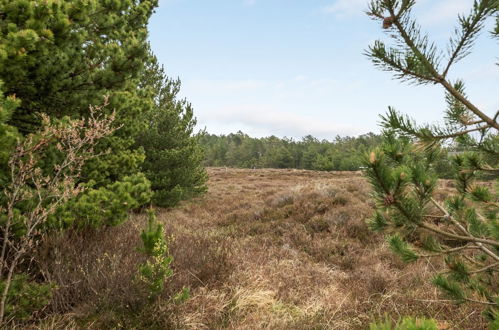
[
  {"x": 470, "y": 29},
  {"x": 447, "y": 251},
  {"x": 481, "y": 270},
  {"x": 453, "y": 135},
  {"x": 481, "y": 302},
  {"x": 7, "y": 283}
]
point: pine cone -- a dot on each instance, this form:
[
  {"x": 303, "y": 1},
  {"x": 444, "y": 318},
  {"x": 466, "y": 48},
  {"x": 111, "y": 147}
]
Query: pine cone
[
  {"x": 388, "y": 22},
  {"x": 389, "y": 200}
]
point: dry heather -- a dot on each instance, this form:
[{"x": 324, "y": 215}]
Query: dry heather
[{"x": 273, "y": 249}]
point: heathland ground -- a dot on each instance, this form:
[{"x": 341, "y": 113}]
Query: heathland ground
[{"x": 277, "y": 249}]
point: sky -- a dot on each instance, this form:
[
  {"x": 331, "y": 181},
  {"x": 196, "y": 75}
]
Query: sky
[{"x": 291, "y": 68}]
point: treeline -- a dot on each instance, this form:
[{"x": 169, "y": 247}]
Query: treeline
[
  {"x": 241, "y": 150},
  {"x": 309, "y": 153}
]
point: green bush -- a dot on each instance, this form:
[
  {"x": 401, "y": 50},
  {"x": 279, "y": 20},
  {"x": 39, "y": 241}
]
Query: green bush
[
  {"x": 25, "y": 297},
  {"x": 156, "y": 269}
]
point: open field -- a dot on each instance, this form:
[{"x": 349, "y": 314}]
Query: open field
[{"x": 276, "y": 249}]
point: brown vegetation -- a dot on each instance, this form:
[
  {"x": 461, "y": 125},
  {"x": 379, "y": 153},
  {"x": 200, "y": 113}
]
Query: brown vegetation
[{"x": 277, "y": 249}]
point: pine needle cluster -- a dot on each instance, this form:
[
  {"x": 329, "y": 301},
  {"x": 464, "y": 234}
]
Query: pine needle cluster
[{"x": 462, "y": 230}]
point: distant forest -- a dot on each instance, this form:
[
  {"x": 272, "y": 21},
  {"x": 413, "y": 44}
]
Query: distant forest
[
  {"x": 342, "y": 154},
  {"x": 240, "y": 150}
]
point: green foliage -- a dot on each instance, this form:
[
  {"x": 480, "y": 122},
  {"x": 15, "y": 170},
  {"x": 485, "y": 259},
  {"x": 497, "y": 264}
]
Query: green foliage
[
  {"x": 407, "y": 323},
  {"x": 8, "y": 134},
  {"x": 462, "y": 230},
  {"x": 174, "y": 157},
  {"x": 182, "y": 296},
  {"x": 25, "y": 297},
  {"x": 402, "y": 248},
  {"x": 450, "y": 287},
  {"x": 341, "y": 154},
  {"x": 240, "y": 150},
  {"x": 157, "y": 268},
  {"x": 58, "y": 57},
  {"x": 105, "y": 206}
]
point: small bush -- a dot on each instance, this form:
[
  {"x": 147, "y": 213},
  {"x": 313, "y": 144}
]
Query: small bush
[
  {"x": 25, "y": 297},
  {"x": 157, "y": 269}
]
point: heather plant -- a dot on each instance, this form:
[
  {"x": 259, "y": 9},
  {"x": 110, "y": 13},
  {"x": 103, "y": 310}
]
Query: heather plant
[
  {"x": 34, "y": 192},
  {"x": 462, "y": 230}
]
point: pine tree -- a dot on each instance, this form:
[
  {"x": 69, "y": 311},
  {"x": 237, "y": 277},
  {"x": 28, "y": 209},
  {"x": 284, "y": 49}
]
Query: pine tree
[
  {"x": 463, "y": 230},
  {"x": 174, "y": 156},
  {"x": 58, "y": 57},
  {"x": 156, "y": 269}
]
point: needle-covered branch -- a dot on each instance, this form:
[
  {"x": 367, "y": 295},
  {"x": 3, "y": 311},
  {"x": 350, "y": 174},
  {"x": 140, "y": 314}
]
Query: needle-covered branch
[
  {"x": 421, "y": 227},
  {"x": 416, "y": 58}
]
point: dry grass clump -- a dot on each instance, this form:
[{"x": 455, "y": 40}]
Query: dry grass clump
[
  {"x": 200, "y": 259},
  {"x": 264, "y": 249},
  {"x": 92, "y": 269}
]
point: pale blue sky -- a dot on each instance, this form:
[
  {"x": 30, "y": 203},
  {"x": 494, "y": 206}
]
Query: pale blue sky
[{"x": 295, "y": 67}]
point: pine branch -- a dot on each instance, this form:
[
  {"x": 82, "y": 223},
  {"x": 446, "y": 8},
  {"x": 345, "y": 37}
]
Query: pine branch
[
  {"x": 491, "y": 122},
  {"x": 403, "y": 183},
  {"x": 463, "y": 230},
  {"x": 408, "y": 127},
  {"x": 456, "y": 134},
  {"x": 470, "y": 28},
  {"x": 439, "y": 78},
  {"x": 390, "y": 60},
  {"x": 414, "y": 44},
  {"x": 470, "y": 123},
  {"x": 459, "y": 237}
]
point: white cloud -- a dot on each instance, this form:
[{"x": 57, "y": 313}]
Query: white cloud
[
  {"x": 293, "y": 107},
  {"x": 346, "y": 8},
  {"x": 263, "y": 120},
  {"x": 300, "y": 77},
  {"x": 229, "y": 86},
  {"x": 249, "y": 2},
  {"x": 251, "y": 85}
]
